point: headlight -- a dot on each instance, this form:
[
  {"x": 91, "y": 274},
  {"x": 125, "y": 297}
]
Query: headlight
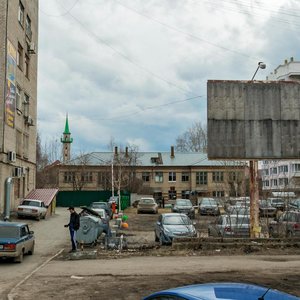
[{"x": 166, "y": 230}]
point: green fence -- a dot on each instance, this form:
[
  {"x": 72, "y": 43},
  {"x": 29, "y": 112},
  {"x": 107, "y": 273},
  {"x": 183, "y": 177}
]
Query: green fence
[{"x": 85, "y": 198}]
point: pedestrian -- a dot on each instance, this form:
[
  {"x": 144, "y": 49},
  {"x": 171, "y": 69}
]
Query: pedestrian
[{"x": 73, "y": 225}]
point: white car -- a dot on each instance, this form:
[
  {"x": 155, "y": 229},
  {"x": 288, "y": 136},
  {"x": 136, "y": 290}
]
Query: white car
[{"x": 32, "y": 208}]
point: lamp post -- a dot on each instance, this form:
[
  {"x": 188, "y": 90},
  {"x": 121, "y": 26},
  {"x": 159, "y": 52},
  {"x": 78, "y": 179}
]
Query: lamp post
[{"x": 254, "y": 191}]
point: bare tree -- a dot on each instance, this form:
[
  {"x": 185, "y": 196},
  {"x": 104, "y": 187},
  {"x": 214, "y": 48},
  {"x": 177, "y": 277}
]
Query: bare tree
[{"x": 194, "y": 139}]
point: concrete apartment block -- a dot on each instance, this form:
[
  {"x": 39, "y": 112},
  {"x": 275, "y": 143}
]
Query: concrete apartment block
[{"x": 18, "y": 87}]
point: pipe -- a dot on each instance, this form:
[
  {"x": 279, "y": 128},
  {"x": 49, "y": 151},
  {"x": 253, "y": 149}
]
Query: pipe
[{"x": 8, "y": 184}]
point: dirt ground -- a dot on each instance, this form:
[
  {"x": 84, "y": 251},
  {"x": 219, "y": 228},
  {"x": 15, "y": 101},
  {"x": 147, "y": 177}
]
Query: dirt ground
[{"x": 145, "y": 267}]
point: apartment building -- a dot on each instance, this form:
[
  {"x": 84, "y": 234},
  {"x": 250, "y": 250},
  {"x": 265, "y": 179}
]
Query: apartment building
[
  {"x": 18, "y": 112},
  {"x": 282, "y": 175},
  {"x": 165, "y": 175}
]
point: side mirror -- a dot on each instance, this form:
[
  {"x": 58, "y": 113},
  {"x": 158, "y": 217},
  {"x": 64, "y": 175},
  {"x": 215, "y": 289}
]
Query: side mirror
[{"x": 158, "y": 223}]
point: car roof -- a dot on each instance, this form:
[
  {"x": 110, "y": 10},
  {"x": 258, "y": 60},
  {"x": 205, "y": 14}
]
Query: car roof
[
  {"x": 173, "y": 214},
  {"x": 234, "y": 291},
  {"x": 14, "y": 224}
]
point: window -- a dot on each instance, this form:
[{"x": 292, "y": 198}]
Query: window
[
  {"x": 274, "y": 170},
  {"x": 158, "y": 176},
  {"x": 25, "y": 145},
  {"x": 172, "y": 193},
  {"x": 266, "y": 172},
  {"x": 18, "y": 143},
  {"x": 232, "y": 176},
  {"x": 20, "y": 56},
  {"x": 218, "y": 193},
  {"x": 28, "y": 28},
  {"x": 26, "y": 71},
  {"x": 86, "y": 177},
  {"x": 18, "y": 98},
  {"x": 146, "y": 176},
  {"x": 283, "y": 181},
  {"x": 26, "y": 105},
  {"x": 274, "y": 182},
  {"x": 172, "y": 176},
  {"x": 267, "y": 183},
  {"x": 69, "y": 176},
  {"x": 185, "y": 176},
  {"x": 21, "y": 14},
  {"x": 296, "y": 167},
  {"x": 103, "y": 179},
  {"x": 217, "y": 176},
  {"x": 201, "y": 178}
]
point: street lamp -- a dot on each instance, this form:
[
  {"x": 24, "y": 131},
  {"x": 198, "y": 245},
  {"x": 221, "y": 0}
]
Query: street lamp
[
  {"x": 261, "y": 65},
  {"x": 254, "y": 191}
]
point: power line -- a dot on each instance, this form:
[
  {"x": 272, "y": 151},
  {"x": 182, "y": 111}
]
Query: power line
[{"x": 62, "y": 14}]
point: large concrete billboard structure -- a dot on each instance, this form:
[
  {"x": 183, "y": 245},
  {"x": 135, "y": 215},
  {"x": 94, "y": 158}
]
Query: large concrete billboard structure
[{"x": 253, "y": 119}]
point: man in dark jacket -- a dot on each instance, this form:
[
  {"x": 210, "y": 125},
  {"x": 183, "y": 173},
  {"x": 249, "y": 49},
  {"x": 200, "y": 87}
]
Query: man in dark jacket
[{"x": 73, "y": 225}]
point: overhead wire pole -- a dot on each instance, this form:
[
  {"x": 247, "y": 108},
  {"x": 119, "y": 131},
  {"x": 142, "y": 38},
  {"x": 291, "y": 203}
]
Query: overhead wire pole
[{"x": 254, "y": 190}]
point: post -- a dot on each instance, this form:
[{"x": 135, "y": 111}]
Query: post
[{"x": 254, "y": 197}]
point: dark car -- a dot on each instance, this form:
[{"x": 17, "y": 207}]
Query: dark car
[
  {"x": 294, "y": 204},
  {"x": 209, "y": 206},
  {"x": 278, "y": 203},
  {"x": 173, "y": 225},
  {"x": 266, "y": 209},
  {"x": 104, "y": 205},
  {"x": 287, "y": 225},
  {"x": 219, "y": 291},
  {"x": 230, "y": 226},
  {"x": 16, "y": 240},
  {"x": 184, "y": 206}
]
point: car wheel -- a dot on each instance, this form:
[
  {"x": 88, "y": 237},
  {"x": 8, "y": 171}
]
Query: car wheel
[
  {"x": 161, "y": 240},
  {"x": 156, "y": 238},
  {"x": 30, "y": 252},
  {"x": 19, "y": 258}
]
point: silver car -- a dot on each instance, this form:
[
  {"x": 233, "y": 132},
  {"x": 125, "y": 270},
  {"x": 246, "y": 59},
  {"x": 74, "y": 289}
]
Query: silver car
[
  {"x": 230, "y": 226},
  {"x": 32, "y": 208},
  {"x": 184, "y": 206},
  {"x": 209, "y": 206},
  {"x": 173, "y": 225}
]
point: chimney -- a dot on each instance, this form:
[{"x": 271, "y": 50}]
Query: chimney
[
  {"x": 116, "y": 150},
  {"x": 285, "y": 61},
  {"x": 292, "y": 59},
  {"x": 172, "y": 152},
  {"x": 126, "y": 152}
]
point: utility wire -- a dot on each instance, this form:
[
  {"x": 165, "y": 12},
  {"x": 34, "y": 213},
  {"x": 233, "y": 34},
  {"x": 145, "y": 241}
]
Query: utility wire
[{"x": 62, "y": 14}]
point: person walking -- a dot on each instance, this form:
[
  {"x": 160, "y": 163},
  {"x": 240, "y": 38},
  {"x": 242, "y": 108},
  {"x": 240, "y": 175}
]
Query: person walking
[{"x": 73, "y": 225}]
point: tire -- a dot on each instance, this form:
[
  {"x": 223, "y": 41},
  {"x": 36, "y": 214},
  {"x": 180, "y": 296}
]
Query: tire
[
  {"x": 161, "y": 240},
  {"x": 156, "y": 238},
  {"x": 19, "y": 258},
  {"x": 31, "y": 251}
]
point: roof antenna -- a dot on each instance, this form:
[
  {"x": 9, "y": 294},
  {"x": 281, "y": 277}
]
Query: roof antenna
[{"x": 263, "y": 296}]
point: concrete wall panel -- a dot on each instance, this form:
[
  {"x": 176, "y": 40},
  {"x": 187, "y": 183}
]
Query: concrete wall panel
[{"x": 253, "y": 119}]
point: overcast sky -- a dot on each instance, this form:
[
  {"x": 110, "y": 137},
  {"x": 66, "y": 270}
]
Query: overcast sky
[{"x": 136, "y": 70}]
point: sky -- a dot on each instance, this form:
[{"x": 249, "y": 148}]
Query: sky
[{"x": 135, "y": 72}]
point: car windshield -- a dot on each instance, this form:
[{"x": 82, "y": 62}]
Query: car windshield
[
  {"x": 236, "y": 220},
  {"x": 147, "y": 201},
  {"x": 177, "y": 220},
  {"x": 31, "y": 203},
  {"x": 209, "y": 202},
  {"x": 9, "y": 232},
  {"x": 98, "y": 205},
  {"x": 183, "y": 202}
]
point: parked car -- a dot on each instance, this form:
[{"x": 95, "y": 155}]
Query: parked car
[
  {"x": 208, "y": 206},
  {"x": 173, "y": 225},
  {"x": 230, "y": 226},
  {"x": 218, "y": 291},
  {"x": 184, "y": 206},
  {"x": 105, "y": 205},
  {"x": 294, "y": 204},
  {"x": 16, "y": 240},
  {"x": 266, "y": 209},
  {"x": 287, "y": 225},
  {"x": 238, "y": 210},
  {"x": 278, "y": 203},
  {"x": 147, "y": 205},
  {"x": 32, "y": 208}
]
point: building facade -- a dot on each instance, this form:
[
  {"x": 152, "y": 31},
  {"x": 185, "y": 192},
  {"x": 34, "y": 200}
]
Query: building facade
[
  {"x": 282, "y": 175},
  {"x": 167, "y": 175},
  {"x": 18, "y": 109}
]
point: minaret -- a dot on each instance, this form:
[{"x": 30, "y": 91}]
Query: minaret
[{"x": 66, "y": 140}]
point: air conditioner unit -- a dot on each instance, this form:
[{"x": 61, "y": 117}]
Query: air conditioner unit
[
  {"x": 29, "y": 121},
  {"x": 24, "y": 170},
  {"x": 17, "y": 172},
  {"x": 11, "y": 155},
  {"x": 32, "y": 48}
]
